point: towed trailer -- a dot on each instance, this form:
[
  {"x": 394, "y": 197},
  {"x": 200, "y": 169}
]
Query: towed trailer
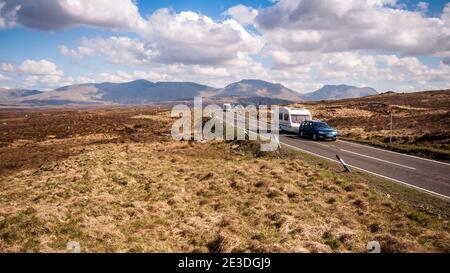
[
  {"x": 291, "y": 118},
  {"x": 227, "y": 107}
]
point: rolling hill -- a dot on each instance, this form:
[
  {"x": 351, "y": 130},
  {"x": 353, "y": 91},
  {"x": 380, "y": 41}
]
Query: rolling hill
[
  {"x": 13, "y": 95},
  {"x": 146, "y": 92},
  {"x": 259, "y": 88},
  {"x": 337, "y": 92}
]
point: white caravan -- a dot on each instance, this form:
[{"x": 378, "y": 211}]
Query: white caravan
[
  {"x": 290, "y": 118},
  {"x": 227, "y": 107}
]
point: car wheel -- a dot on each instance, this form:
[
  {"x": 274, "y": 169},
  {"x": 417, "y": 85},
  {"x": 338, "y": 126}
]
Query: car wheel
[{"x": 314, "y": 137}]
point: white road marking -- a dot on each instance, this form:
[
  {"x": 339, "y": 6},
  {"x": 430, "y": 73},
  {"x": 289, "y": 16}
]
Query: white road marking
[
  {"x": 382, "y": 160},
  {"x": 321, "y": 144},
  {"x": 376, "y": 174},
  {"x": 404, "y": 183},
  {"x": 384, "y": 150},
  {"x": 308, "y": 152}
]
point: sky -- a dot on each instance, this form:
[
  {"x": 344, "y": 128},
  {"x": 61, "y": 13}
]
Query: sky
[{"x": 399, "y": 45}]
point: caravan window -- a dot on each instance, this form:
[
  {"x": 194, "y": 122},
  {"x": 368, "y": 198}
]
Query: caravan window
[
  {"x": 286, "y": 117},
  {"x": 281, "y": 116},
  {"x": 299, "y": 118}
]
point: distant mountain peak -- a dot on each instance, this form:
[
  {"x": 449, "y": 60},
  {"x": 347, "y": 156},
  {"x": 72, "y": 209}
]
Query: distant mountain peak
[
  {"x": 140, "y": 81},
  {"x": 253, "y": 81},
  {"x": 336, "y": 92},
  {"x": 259, "y": 88}
]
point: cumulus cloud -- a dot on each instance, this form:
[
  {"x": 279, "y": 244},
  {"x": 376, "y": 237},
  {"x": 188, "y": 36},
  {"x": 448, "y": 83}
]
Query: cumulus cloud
[
  {"x": 423, "y": 6},
  {"x": 7, "y": 67},
  {"x": 192, "y": 38},
  {"x": 42, "y": 73},
  {"x": 168, "y": 37},
  {"x": 243, "y": 14},
  {"x": 47, "y": 80},
  {"x": 118, "y": 50},
  {"x": 78, "y": 53},
  {"x": 122, "y": 76},
  {"x": 216, "y": 76},
  {"x": 41, "y": 67},
  {"x": 334, "y": 26},
  {"x": 378, "y": 70},
  {"x": 60, "y": 14},
  {"x": 185, "y": 37}
]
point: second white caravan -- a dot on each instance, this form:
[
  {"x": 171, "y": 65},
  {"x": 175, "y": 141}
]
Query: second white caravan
[{"x": 290, "y": 118}]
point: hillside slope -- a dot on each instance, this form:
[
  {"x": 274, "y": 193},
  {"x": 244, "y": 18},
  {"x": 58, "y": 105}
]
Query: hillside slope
[
  {"x": 337, "y": 92},
  {"x": 259, "y": 88}
]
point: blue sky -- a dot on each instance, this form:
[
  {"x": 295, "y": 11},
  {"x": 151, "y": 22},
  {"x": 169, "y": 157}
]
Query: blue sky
[{"x": 390, "y": 45}]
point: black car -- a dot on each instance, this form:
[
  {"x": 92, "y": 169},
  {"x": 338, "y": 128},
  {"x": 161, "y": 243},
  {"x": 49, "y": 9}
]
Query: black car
[{"x": 317, "y": 130}]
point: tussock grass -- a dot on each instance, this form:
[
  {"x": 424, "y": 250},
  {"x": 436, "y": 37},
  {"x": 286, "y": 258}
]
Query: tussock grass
[
  {"x": 210, "y": 197},
  {"x": 158, "y": 195}
]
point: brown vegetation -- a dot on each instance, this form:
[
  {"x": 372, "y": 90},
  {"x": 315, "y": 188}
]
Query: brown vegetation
[{"x": 116, "y": 182}]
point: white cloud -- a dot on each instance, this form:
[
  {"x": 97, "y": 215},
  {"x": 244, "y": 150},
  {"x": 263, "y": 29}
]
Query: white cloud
[
  {"x": 7, "y": 67},
  {"x": 60, "y": 14},
  {"x": 168, "y": 37},
  {"x": 243, "y": 14},
  {"x": 48, "y": 80},
  {"x": 41, "y": 67},
  {"x": 335, "y": 26},
  {"x": 34, "y": 74},
  {"x": 185, "y": 37},
  {"x": 76, "y": 80},
  {"x": 192, "y": 38},
  {"x": 381, "y": 71},
  {"x": 423, "y": 6},
  {"x": 77, "y": 53},
  {"x": 216, "y": 76},
  {"x": 118, "y": 50},
  {"x": 121, "y": 76}
]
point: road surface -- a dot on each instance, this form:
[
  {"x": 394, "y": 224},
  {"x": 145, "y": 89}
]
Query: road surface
[
  {"x": 423, "y": 174},
  {"x": 427, "y": 175}
]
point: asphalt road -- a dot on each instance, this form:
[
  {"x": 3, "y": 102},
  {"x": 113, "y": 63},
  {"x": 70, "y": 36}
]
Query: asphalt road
[{"x": 426, "y": 175}]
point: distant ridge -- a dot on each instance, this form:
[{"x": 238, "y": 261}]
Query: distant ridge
[
  {"x": 259, "y": 88},
  {"x": 337, "y": 92},
  {"x": 147, "y": 92}
]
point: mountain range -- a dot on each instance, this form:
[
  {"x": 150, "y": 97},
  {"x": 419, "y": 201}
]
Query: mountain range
[
  {"x": 145, "y": 92},
  {"x": 338, "y": 92}
]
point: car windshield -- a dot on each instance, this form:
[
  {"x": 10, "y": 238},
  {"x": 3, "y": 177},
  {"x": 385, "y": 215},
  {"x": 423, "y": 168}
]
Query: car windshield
[{"x": 321, "y": 125}]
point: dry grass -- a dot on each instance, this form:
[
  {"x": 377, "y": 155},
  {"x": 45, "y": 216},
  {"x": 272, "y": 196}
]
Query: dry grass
[
  {"x": 140, "y": 197},
  {"x": 167, "y": 196}
]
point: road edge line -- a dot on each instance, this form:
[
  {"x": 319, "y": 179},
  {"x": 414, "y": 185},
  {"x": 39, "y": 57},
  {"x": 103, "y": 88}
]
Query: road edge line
[{"x": 442, "y": 196}]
